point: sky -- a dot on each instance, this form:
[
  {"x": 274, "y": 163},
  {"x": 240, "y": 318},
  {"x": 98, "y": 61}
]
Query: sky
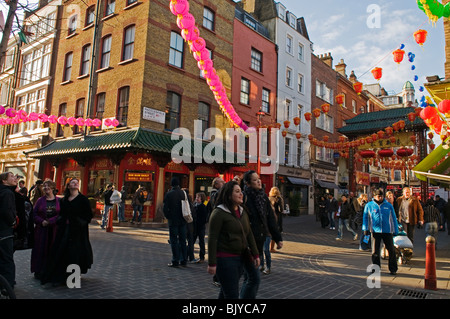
[{"x": 349, "y": 30}]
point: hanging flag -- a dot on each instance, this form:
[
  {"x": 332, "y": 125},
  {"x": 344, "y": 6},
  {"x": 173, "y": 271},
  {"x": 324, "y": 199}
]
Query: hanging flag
[{"x": 22, "y": 37}]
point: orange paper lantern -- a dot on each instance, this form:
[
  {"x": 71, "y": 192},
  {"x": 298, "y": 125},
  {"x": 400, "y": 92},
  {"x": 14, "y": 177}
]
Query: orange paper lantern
[
  {"x": 377, "y": 73},
  {"x": 316, "y": 113},
  {"x": 340, "y": 99},
  {"x": 420, "y": 36},
  {"x": 286, "y": 124},
  {"x": 358, "y": 86},
  {"x": 398, "y": 55},
  {"x": 298, "y": 135},
  {"x": 325, "y": 108},
  {"x": 308, "y": 116}
]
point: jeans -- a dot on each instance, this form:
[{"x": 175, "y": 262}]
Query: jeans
[
  {"x": 388, "y": 241},
  {"x": 331, "y": 219},
  {"x": 7, "y": 265},
  {"x": 137, "y": 209},
  {"x": 106, "y": 215},
  {"x": 266, "y": 253},
  {"x": 177, "y": 235},
  {"x": 229, "y": 271},
  {"x": 341, "y": 227},
  {"x": 431, "y": 229},
  {"x": 121, "y": 212},
  {"x": 252, "y": 279},
  {"x": 200, "y": 234}
]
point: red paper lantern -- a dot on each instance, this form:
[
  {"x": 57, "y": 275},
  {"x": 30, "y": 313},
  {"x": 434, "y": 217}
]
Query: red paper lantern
[
  {"x": 286, "y": 123},
  {"x": 325, "y": 108},
  {"x": 367, "y": 154},
  {"x": 420, "y": 36},
  {"x": 277, "y": 125},
  {"x": 325, "y": 138},
  {"x": 386, "y": 152},
  {"x": 377, "y": 73},
  {"x": 284, "y": 133},
  {"x": 374, "y": 136},
  {"x": 310, "y": 137},
  {"x": 380, "y": 134},
  {"x": 296, "y": 120},
  {"x": 389, "y": 130},
  {"x": 308, "y": 116},
  {"x": 444, "y": 107},
  {"x": 316, "y": 113},
  {"x": 398, "y": 55},
  {"x": 412, "y": 116},
  {"x": 392, "y": 139},
  {"x": 298, "y": 135},
  {"x": 358, "y": 86},
  {"x": 404, "y": 152},
  {"x": 340, "y": 99},
  {"x": 401, "y": 124}
]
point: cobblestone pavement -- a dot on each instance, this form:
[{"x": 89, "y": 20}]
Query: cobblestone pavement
[{"x": 131, "y": 263}]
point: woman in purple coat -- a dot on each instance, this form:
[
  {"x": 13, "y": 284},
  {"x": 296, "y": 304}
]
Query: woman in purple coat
[{"x": 45, "y": 212}]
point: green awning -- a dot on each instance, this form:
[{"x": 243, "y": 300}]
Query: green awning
[
  {"x": 135, "y": 139},
  {"x": 438, "y": 175}
]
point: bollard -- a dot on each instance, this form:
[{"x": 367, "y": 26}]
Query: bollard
[
  {"x": 430, "y": 264},
  {"x": 109, "y": 227}
]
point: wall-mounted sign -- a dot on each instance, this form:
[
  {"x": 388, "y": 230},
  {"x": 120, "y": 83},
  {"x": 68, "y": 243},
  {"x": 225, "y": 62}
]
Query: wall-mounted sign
[
  {"x": 138, "y": 177},
  {"x": 154, "y": 115}
]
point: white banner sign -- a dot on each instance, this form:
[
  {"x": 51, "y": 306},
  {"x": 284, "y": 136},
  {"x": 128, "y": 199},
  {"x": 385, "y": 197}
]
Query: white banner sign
[{"x": 154, "y": 115}]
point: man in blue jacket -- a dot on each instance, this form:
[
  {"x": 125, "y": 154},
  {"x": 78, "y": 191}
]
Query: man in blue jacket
[{"x": 380, "y": 220}]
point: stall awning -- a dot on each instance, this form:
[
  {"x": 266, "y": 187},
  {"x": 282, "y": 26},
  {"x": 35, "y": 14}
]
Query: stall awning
[
  {"x": 328, "y": 185},
  {"x": 299, "y": 181},
  {"x": 439, "y": 175}
]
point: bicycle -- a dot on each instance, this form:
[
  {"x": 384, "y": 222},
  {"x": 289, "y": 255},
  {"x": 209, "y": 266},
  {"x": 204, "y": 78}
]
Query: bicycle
[{"x": 6, "y": 291}]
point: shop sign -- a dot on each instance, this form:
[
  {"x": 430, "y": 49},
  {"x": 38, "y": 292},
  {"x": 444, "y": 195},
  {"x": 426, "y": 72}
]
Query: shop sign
[
  {"x": 363, "y": 178},
  {"x": 138, "y": 177}
]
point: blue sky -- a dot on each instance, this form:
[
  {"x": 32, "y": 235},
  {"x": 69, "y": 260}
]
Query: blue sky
[{"x": 340, "y": 27}]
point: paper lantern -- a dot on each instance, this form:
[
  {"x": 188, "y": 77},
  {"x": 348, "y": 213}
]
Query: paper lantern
[
  {"x": 80, "y": 121},
  {"x": 316, "y": 113},
  {"x": 115, "y": 122},
  {"x": 62, "y": 120},
  {"x": 287, "y": 124},
  {"x": 325, "y": 138},
  {"x": 367, "y": 154},
  {"x": 389, "y": 130},
  {"x": 284, "y": 133},
  {"x": 387, "y": 152},
  {"x": 308, "y": 116},
  {"x": 412, "y": 116},
  {"x": 420, "y": 36},
  {"x": 380, "y": 134},
  {"x": 298, "y": 135},
  {"x": 358, "y": 86},
  {"x": 2, "y": 109},
  {"x": 340, "y": 99},
  {"x": 377, "y": 73},
  {"x": 325, "y": 108},
  {"x": 185, "y": 21},
  {"x": 398, "y": 55},
  {"x": 198, "y": 44},
  {"x": 444, "y": 107},
  {"x": 10, "y": 112},
  {"x": 179, "y": 7},
  {"x": 296, "y": 120},
  {"x": 404, "y": 152},
  {"x": 310, "y": 137},
  {"x": 190, "y": 34}
]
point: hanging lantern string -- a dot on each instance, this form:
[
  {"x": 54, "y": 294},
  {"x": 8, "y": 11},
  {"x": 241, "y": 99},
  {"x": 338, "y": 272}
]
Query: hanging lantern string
[{"x": 390, "y": 52}]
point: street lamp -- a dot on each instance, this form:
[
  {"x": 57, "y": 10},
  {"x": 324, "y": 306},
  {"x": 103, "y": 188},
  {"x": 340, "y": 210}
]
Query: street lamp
[{"x": 260, "y": 114}]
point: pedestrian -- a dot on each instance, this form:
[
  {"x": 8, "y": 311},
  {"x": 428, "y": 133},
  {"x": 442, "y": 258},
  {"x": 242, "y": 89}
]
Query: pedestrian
[
  {"x": 21, "y": 230},
  {"x": 36, "y": 191},
  {"x": 379, "y": 220},
  {"x": 190, "y": 230},
  {"x": 391, "y": 199},
  {"x": 177, "y": 223},
  {"x": 22, "y": 187},
  {"x": 217, "y": 184},
  {"x": 431, "y": 219},
  {"x": 410, "y": 212},
  {"x": 45, "y": 213},
  {"x": 354, "y": 206},
  {"x": 263, "y": 225},
  {"x": 364, "y": 242},
  {"x": 72, "y": 245},
  {"x": 138, "y": 204},
  {"x": 331, "y": 208},
  {"x": 200, "y": 215},
  {"x": 115, "y": 200},
  {"x": 8, "y": 183},
  {"x": 344, "y": 218},
  {"x": 324, "y": 221},
  {"x": 440, "y": 204},
  {"x": 277, "y": 202},
  {"x": 230, "y": 237},
  {"x": 123, "y": 196},
  {"x": 107, "y": 204}
]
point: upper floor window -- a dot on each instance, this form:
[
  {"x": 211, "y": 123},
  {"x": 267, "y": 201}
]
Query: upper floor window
[
  {"x": 85, "y": 58},
  {"x": 208, "y": 19},
  {"x": 289, "y": 77},
  {"x": 68, "y": 67},
  {"x": 301, "y": 50},
  {"x": 99, "y": 108},
  {"x": 106, "y": 52},
  {"x": 128, "y": 43},
  {"x": 61, "y": 112},
  {"x": 289, "y": 48},
  {"x": 110, "y": 7},
  {"x": 90, "y": 16},
  {"x": 176, "y": 50},
  {"x": 122, "y": 110},
  {"x": 72, "y": 25},
  {"x": 256, "y": 60},
  {"x": 245, "y": 91},
  {"x": 79, "y": 112},
  {"x": 173, "y": 104},
  {"x": 265, "y": 103},
  {"x": 203, "y": 116}
]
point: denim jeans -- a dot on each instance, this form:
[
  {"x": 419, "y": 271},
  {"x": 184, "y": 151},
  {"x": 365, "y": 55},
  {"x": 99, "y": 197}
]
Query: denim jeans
[
  {"x": 137, "y": 209},
  {"x": 121, "y": 212},
  {"x": 106, "y": 215},
  {"x": 229, "y": 271},
  {"x": 331, "y": 218},
  {"x": 341, "y": 227},
  {"x": 177, "y": 235},
  {"x": 252, "y": 279},
  {"x": 266, "y": 253}
]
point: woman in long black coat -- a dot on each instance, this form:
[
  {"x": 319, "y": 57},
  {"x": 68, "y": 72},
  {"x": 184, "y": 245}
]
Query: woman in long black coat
[{"x": 72, "y": 245}]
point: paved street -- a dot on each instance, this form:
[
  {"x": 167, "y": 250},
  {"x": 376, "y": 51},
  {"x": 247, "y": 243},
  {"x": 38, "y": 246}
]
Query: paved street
[{"x": 131, "y": 263}]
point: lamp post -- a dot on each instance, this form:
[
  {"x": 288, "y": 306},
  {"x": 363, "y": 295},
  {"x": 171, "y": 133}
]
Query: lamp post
[{"x": 260, "y": 114}]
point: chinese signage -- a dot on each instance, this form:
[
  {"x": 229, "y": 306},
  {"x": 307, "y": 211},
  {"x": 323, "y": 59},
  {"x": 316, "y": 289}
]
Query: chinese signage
[
  {"x": 138, "y": 177},
  {"x": 401, "y": 139},
  {"x": 154, "y": 115},
  {"x": 363, "y": 178}
]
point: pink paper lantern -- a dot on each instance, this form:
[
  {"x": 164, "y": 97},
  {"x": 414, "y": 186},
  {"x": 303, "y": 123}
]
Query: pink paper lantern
[
  {"x": 33, "y": 116},
  {"x": 71, "y": 121},
  {"x": 88, "y": 122},
  {"x": 2, "y": 109},
  {"x": 198, "y": 45},
  {"x": 190, "y": 34},
  {"x": 96, "y": 122},
  {"x": 10, "y": 112},
  {"x": 185, "y": 21},
  {"x": 107, "y": 122},
  {"x": 179, "y": 7},
  {"x": 43, "y": 117},
  {"x": 52, "y": 119},
  {"x": 80, "y": 121},
  {"x": 115, "y": 123}
]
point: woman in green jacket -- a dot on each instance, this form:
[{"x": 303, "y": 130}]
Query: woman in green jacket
[{"x": 229, "y": 239}]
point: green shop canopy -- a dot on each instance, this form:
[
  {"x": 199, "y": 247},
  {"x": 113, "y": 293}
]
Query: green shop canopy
[{"x": 438, "y": 175}]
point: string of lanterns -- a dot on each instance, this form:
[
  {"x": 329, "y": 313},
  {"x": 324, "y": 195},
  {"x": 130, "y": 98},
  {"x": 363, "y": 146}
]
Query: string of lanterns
[{"x": 21, "y": 116}]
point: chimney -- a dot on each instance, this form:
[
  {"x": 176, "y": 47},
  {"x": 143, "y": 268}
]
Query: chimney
[
  {"x": 340, "y": 68},
  {"x": 249, "y": 5},
  {"x": 327, "y": 59},
  {"x": 353, "y": 77}
]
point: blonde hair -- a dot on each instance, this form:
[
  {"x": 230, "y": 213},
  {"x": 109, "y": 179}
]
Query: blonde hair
[
  {"x": 361, "y": 198},
  {"x": 275, "y": 192}
]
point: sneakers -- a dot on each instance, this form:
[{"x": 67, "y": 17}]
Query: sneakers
[
  {"x": 266, "y": 271},
  {"x": 355, "y": 237},
  {"x": 338, "y": 238}
]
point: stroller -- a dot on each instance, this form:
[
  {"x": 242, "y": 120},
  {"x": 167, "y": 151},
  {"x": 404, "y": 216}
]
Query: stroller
[{"x": 403, "y": 247}]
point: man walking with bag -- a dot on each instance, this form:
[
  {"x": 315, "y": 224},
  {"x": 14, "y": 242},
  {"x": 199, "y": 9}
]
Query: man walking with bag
[{"x": 177, "y": 224}]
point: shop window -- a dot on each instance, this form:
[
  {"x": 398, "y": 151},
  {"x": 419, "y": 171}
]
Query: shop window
[
  {"x": 98, "y": 179},
  {"x": 132, "y": 180}
]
